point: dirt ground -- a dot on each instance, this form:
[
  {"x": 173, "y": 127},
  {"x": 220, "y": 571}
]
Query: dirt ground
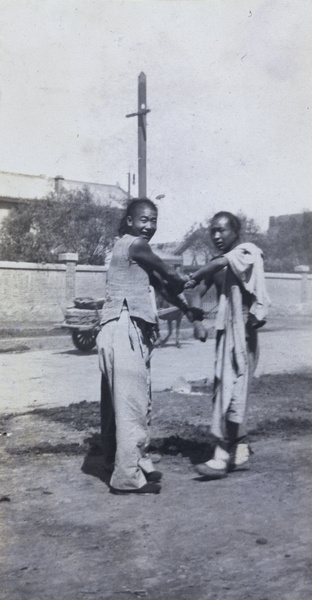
[{"x": 66, "y": 537}]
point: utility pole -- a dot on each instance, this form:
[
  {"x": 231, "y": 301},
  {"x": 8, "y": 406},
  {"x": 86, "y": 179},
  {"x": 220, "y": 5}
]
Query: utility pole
[
  {"x": 129, "y": 185},
  {"x": 141, "y": 114}
]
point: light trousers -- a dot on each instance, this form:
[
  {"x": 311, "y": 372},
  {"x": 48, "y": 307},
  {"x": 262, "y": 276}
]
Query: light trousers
[
  {"x": 124, "y": 359},
  {"x": 231, "y": 386}
]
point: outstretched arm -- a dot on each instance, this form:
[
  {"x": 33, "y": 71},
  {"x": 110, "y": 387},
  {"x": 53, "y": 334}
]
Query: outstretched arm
[
  {"x": 141, "y": 252},
  {"x": 207, "y": 272},
  {"x": 191, "y": 312}
]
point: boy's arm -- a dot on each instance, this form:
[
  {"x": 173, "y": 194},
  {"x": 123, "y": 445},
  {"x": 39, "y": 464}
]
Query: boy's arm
[
  {"x": 191, "y": 312},
  {"x": 141, "y": 252},
  {"x": 207, "y": 272}
]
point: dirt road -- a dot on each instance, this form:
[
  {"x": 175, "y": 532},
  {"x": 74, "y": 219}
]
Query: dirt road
[
  {"x": 65, "y": 537},
  {"x": 47, "y": 372}
]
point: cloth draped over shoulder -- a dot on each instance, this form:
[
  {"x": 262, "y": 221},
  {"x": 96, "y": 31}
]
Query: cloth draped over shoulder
[
  {"x": 246, "y": 263},
  {"x": 243, "y": 294}
]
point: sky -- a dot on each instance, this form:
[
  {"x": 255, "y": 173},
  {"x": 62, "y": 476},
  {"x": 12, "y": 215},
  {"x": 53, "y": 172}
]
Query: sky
[{"x": 229, "y": 86}]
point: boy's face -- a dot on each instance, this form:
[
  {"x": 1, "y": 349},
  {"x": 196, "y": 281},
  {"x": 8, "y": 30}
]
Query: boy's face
[
  {"x": 223, "y": 235},
  {"x": 143, "y": 223}
]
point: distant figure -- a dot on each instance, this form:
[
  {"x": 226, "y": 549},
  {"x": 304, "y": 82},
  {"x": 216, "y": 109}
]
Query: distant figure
[
  {"x": 174, "y": 315},
  {"x": 237, "y": 272}
]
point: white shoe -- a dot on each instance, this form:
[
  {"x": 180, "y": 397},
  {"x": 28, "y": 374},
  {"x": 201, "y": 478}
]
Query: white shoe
[
  {"x": 240, "y": 456},
  {"x": 216, "y": 467}
]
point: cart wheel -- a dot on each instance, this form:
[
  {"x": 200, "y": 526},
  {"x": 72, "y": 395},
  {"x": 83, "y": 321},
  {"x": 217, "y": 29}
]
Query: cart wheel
[{"x": 84, "y": 340}]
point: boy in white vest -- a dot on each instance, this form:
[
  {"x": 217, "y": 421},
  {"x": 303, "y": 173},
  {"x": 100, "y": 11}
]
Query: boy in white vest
[{"x": 124, "y": 344}]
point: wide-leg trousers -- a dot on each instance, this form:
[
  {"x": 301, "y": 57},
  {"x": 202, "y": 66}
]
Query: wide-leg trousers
[{"x": 124, "y": 359}]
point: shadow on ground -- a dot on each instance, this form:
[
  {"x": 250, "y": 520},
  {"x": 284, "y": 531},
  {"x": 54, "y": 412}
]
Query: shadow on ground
[{"x": 280, "y": 407}]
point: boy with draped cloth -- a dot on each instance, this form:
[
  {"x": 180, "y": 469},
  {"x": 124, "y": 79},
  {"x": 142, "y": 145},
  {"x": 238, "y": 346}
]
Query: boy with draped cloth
[{"x": 237, "y": 272}]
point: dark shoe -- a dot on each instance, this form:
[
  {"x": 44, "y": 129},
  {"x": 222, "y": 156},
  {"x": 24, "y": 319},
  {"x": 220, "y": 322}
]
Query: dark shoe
[
  {"x": 206, "y": 471},
  {"x": 153, "y": 476},
  {"x": 148, "y": 488},
  {"x": 109, "y": 467}
]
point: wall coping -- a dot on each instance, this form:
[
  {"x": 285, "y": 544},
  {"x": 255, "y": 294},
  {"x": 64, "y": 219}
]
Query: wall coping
[
  {"x": 285, "y": 276},
  {"x": 93, "y": 268},
  {"x": 68, "y": 257},
  {"x": 24, "y": 266},
  {"x": 6, "y": 264}
]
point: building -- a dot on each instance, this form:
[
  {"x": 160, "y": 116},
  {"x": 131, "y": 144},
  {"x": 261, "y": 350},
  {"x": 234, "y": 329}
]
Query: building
[
  {"x": 294, "y": 219},
  {"x": 15, "y": 187}
]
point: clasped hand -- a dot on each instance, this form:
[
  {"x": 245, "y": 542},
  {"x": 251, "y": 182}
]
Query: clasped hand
[
  {"x": 190, "y": 284},
  {"x": 177, "y": 283},
  {"x": 200, "y": 333},
  {"x": 194, "y": 314}
]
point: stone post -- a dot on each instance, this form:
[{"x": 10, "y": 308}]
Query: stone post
[
  {"x": 304, "y": 270},
  {"x": 70, "y": 259}
]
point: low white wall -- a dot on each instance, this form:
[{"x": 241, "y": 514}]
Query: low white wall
[
  {"x": 33, "y": 294},
  {"x": 289, "y": 293}
]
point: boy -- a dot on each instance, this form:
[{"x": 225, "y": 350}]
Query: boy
[
  {"x": 124, "y": 344},
  {"x": 238, "y": 274}
]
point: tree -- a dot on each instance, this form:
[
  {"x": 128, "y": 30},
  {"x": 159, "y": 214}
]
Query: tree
[
  {"x": 250, "y": 230},
  {"x": 286, "y": 244},
  {"x": 39, "y": 230},
  {"x": 198, "y": 240}
]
